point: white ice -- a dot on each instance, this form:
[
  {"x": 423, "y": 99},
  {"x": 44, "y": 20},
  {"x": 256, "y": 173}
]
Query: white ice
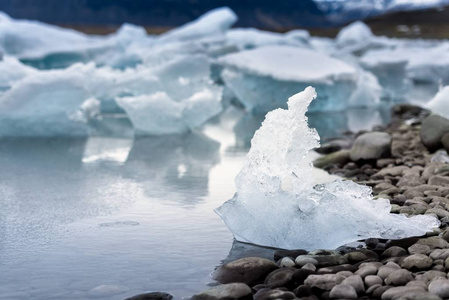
[
  {"x": 278, "y": 205},
  {"x": 440, "y": 103},
  {"x": 263, "y": 77}
]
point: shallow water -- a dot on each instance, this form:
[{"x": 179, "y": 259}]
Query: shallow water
[{"x": 111, "y": 217}]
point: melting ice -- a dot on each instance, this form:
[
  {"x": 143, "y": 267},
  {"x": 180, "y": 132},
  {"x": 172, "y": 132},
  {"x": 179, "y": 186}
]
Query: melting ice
[{"x": 277, "y": 203}]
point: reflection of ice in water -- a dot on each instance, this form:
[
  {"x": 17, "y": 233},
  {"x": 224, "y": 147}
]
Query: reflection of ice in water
[{"x": 109, "y": 149}]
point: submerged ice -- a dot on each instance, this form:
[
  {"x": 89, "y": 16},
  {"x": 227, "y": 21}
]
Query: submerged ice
[{"x": 277, "y": 203}]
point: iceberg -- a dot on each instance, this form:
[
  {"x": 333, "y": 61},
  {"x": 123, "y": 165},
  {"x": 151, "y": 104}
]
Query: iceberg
[
  {"x": 440, "y": 103},
  {"x": 185, "y": 100},
  {"x": 278, "y": 204},
  {"x": 211, "y": 26},
  {"x": 263, "y": 77},
  {"x": 249, "y": 38}
]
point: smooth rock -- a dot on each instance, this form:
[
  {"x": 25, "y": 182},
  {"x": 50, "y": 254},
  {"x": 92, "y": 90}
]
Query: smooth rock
[
  {"x": 369, "y": 270},
  {"x": 400, "y": 291},
  {"x": 152, "y": 296},
  {"x": 439, "y": 254},
  {"x": 399, "y": 277},
  {"x": 343, "y": 292},
  {"x": 440, "y": 288},
  {"x": 226, "y": 292},
  {"x": 249, "y": 270},
  {"x": 371, "y": 145},
  {"x": 324, "y": 282},
  {"x": 340, "y": 157},
  {"x": 417, "y": 261},
  {"x": 432, "y": 130},
  {"x": 287, "y": 262},
  {"x": 302, "y": 260},
  {"x": 356, "y": 282},
  {"x": 439, "y": 180},
  {"x": 267, "y": 294},
  {"x": 371, "y": 280},
  {"x": 281, "y": 278},
  {"x": 394, "y": 251}
]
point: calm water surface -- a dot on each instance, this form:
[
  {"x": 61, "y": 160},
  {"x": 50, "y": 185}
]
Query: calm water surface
[{"x": 111, "y": 217}]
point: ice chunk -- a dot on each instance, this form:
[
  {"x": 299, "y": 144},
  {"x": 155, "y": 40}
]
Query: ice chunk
[
  {"x": 264, "y": 77},
  {"x": 248, "y": 38},
  {"x": 278, "y": 205},
  {"x": 440, "y": 103},
  {"x": 211, "y": 26},
  {"x": 358, "y": 38},
  {"x": 12, "y": 70},
  {"x": 44, "y": 104},
  {"x": 90, "y": 108},
  {"x": 390, "y": 70},
  {"x": 185, "y": 100}
]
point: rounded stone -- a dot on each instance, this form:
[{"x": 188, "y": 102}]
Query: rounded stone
[
  {"x": 302, "y": 260},
  {"x": 225, "y": 292},
  {"x": 432, "y": 130},
  {"x": 418, "y": 249},
  {"x": 440, "y": 288},
  {"x": 287, "y": 262},
  {"x": 356, "y": 282},
  {"x": 394, "y": 251},
  {"x": 280, "y": 278},
  {"x": 417, "y": 261},
  {"x": 399, "y": 277},
  {"x": 152, "y": 296},
  {"x": 371, "y": 280},
  {"x": 343, "y": 292},
  {"x": 363, "y": 272},
  {"x": 370, "y": 145},
  {"x": 249, "y": 270}
]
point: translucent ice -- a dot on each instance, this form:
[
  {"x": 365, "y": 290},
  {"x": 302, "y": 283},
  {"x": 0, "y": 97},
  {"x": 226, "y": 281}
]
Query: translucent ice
[
  {"x": 264, "y": 77},
  {"x": 278, "y": 205},
  {"x": 185, "y": 99},
  {"x": 440, "y": 103}
]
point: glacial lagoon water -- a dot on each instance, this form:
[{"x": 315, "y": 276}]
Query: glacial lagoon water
[{"x": 112, "y": 216}]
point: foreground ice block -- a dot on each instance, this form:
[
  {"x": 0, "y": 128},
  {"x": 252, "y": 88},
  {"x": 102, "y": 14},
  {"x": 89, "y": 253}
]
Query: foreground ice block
[
  {"x": 278, "y": 205},
  {"x": 264, "y": 77},
  {"x": 440, "y": 103}
]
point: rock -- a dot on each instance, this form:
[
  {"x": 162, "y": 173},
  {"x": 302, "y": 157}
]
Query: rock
[
  {"x": 356, "y": 256},
  {"x": 226, "y": 292},
  {"x": 403, "y": 243},
  {"x": 399, "y": 277},
  {"x": 152, "y": 296},
  {"x": 371, "y": 145},
  {"x": 330, "y": 260},
  {"x": 397, "y": 292},
  {"x": 420, "y": 296},
  {"x": 356, "y": 282},
  {"x": 366, "y": 271},
  {"x": 439, "y": 180},
  {"x": 440, "y": 288},
  {"x": 418, "y": 249},
  {"x": 302, "y": 260},
  {"x": 309, "y": 266},
  {"x": 336, "y": 269},
  {"x": 334, "y": 145},
  {"x": 431, "y": 275},
  {"x": 371, "y": 280},
  {"x": 281, "y": 253},
  {"x": 410, "y": 180},
  {"x": 429, "y": 170},
  {"x": 287, "y": 262},
  {"x": 343, "y": 292},
  {"x": 280, "y": 278},
  {"x": 303, "y": 291},
  {"x": 439, "y": 254},
  {"x": 249, "y": 270},
  {"x": 371, "y": 289},
  {"x": 394, "y": 251},
  {"x": 324, "y": 282},
  {"x": 300, "y": 276},
  {"x": 417, "y": 261},
  {"x": 392, "y": 171},
  {"x": 445, "y": 235},
  {"x": 434, "y": 242},
  {"x": 267, "y": 294},
  {"x": 377, "y": 293},
  {"x": 340, "y": 157},
  {"x": 432, "y": 130}
]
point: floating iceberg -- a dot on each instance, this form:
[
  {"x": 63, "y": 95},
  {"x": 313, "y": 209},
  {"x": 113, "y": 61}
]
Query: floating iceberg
[
  {"x": 262, "y": 78},
  {"x": 184, "y": 101},
  {"x": 440, "y": 103},
  {"x": 278, "y": 205}
]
